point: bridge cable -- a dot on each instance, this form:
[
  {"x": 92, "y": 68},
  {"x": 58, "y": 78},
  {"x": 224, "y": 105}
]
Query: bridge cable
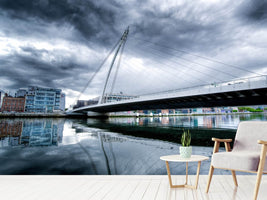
[
  {"x": 122, "y": 40},
  {"x": 174, "y": 89},
  {"x": 191, "y": 68},
  {"x": 170, "y": 73},
  {"x": 168, "y": 65},
  {"x": 118, "y": 66},
  {"x": 95, "y": 73},
  {"x": 149, "y": 80},
  {"x": 176, "y": 68},
  {"x": 203, "y": 57},
  {"x": 172, "y": 66},
  {"x": 156, "y": 54},
  {"x": 196, "y": 63},
  {"x": 161, "y": 75}
]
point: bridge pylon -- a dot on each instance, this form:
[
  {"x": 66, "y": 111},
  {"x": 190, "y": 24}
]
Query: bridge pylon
[{"x": 122, "y": 41}]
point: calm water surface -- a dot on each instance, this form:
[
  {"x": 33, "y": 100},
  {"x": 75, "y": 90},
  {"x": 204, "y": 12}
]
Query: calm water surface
[{"x": 111, "y": 146}]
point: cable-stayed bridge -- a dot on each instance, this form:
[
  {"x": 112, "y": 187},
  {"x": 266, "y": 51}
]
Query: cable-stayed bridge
[{"x": 236, "y": 90}]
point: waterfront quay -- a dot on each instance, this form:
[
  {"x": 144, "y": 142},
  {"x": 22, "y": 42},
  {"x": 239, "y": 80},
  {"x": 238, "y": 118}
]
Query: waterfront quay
[
  {"x": 27, "y": 115},
  {"x": 115, "y": 115}
]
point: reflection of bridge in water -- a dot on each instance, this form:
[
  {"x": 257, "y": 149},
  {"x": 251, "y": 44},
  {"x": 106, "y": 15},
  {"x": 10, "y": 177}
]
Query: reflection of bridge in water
[
  {"x": 129, "y": 146},
  {"x": 234, "y": 91},
  {"x": 156, "y": 130}
]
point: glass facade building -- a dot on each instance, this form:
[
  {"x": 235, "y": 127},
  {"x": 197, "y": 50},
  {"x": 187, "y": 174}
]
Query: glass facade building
[
  {"x": 62, "y": 101},
  {"x": 44, "y": 100}
]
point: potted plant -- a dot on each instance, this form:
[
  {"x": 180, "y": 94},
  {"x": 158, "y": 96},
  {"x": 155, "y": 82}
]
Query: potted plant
[{"x": 186, "y": 149}]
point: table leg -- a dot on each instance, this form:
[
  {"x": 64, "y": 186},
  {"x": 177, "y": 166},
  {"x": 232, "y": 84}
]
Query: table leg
[
  {"x": 186, "y": 176},
  {"x": 198, "y": 170},
  {"x": 197, "y": 177},
  {"x": 185, "y": 185},
  {"x": 169, "y": 173}
]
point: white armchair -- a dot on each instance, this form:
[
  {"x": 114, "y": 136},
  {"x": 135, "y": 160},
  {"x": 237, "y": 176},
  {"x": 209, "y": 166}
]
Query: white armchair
[{"x": 248, "y": 154}]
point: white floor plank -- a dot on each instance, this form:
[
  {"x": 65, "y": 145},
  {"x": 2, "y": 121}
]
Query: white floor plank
[
  {"x": 127, "y": 188},
  {"x": 115, "y": 192},
  {"x": 140, "y": 190},
  {"x": 152, "y": 190},
  {"x": 163, "y": 189},
  {"x": 100, "y": 194}
]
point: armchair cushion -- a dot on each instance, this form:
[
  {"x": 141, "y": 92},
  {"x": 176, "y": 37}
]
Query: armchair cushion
[
  {"x": 239, "y": 160},
  {"x": 248, "y": 134}
]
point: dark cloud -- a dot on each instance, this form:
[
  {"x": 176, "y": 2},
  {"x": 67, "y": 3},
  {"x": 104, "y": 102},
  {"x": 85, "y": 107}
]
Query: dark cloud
[
  {"x": 254, "y": 10},
  {"x": 31, "y": 69},
  {"x": 61, "y": 43},
  {"x": 85, "y": 16}
]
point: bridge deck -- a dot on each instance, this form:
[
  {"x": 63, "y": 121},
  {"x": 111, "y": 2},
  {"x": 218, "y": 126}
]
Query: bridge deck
[
  {"x": 126, "y": 188},
  {"x": 252, "y": 91}
]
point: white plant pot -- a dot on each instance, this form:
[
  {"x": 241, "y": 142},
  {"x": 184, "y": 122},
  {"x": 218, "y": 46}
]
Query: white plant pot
[{"x": 185, "y": 152}]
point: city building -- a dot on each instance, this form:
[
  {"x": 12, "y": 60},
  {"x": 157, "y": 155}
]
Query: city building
[
  {"x": 1, "y": 97},
  {"x": 45, "y": 100},
  {"x": 13, "y": 104},
  {"x": 21, "y": 92},
  {"x": 2, "y": 94},
  {"x": 81, "y": 103},
  {"x": 62, "y": 101}
]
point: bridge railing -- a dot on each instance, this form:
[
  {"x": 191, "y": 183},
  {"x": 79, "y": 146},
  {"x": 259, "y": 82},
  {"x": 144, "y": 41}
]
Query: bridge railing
[{"x": 235, "y": 85}]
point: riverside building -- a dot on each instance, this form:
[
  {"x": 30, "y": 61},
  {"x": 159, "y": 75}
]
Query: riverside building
[
  {"x": 1, "y": 97},
  {"x": 2, "y": 94},
  {"x": 81, "y": 103},
  {"x": 43, "y": 100},
  {"x": 13, "y": 104},
  {"x": 62, "y": 101},
  {"x": 21, "y": 92}
]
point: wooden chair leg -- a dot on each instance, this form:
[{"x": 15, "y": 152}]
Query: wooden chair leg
[
  {"x": 260, "y": 171},
  {"x": 228, "y": 149},
  {"x": 234, "y": 177},
  {"x": 210, "y": 177},
  {"x": 257, "y": 186}
]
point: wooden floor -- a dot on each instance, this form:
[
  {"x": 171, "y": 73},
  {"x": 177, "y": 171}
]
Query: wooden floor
[{"x": 126, "y": 187}]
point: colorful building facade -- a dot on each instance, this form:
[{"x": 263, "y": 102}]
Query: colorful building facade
[{"x": 13, "y": 104}]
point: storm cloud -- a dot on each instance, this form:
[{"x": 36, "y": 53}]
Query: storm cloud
[{"x": 62, "y": 43}]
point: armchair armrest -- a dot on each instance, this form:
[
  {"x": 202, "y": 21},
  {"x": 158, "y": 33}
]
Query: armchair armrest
[
  {"x": 217, "y": 144},
  {"x": 221, "y": 140},
  {"x": 262, "y": 142}
]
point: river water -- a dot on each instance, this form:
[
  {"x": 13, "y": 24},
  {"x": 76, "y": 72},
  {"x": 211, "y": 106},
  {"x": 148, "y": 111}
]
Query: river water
[{"x": 117, "y": 146}]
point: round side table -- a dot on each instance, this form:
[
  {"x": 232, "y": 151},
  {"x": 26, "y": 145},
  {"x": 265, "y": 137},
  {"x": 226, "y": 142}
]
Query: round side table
[{"x": 177, "y": 158}]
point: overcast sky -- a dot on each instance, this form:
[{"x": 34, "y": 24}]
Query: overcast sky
[{"x": 60, "y": 43}]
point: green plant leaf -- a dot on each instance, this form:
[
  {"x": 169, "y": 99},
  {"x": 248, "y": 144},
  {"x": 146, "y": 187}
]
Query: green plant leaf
[{"x": 186, "y": 138}]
